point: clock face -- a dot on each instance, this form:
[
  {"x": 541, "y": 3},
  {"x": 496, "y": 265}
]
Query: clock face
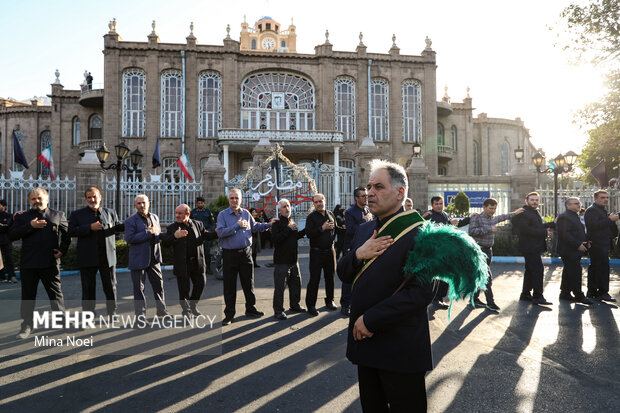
[{"x": 268, "y": 44}]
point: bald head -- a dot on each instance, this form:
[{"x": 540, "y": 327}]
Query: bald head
[{"x": 181, "y": 213}]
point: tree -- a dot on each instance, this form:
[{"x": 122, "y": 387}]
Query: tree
[{"x": 460, "y": 206}]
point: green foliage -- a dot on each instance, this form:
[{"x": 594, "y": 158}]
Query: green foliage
[
  {"x": 220, "y": 204},
  {"x": 460, "y": 206}
]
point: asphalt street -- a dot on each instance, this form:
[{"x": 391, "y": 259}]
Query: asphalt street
[{"x": 564, "y": 358}]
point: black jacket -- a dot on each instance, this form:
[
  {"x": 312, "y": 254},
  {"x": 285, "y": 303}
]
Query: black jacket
[
  {"x": 319, "y": 238},
  {"x": 601, "y": 229},
  {"x": 6, "y": 220},
  {"x": 38, "y": 244},
  {"x": 88, "y": 240},
  {"x": 285, "y": 242},
  {"x": 181, "y": 245},
  {"x": 444, "y": 218},
  {"x": 401, "y": 341},
  {"x": 353, "y": 218},
  {"x": 531, "y": 231},
  {"x": 571, "y": 234}
]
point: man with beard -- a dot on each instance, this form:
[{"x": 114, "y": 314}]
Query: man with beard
[
  {"x": 95, "y": 228},
  {"x": 45, "y": 239},
  {"x": 203, "y": 214},
  {"x": 388, "y": 336}
]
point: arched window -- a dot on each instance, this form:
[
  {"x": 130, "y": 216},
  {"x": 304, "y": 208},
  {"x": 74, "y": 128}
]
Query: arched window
[
  {"x": 454, "y": 136},
  {"x": 209, "y": 104},
  {"x": 277, "y": 101},
  {"x": 505, "y": 158},
  {"x": 476, "y": 159},
  {"x": 94, "y": 127},
  {"x": 283, "y": 43},
  {"x": 171, "y": 171},
  {"x": 45, "y": 141},
  {"x": 253, "y": 44},
  {"x": 20, "y": 139},
  {"x": 379, "y": 113},
  {"x": 134, "y": 103},
  {"x": 171, "y": 104},
  {"x": 441, "y": 171},
  {"x": 412, "y": 111},
  {"x": 344, "y": 106},
  {"x": 75, "y": 131},
  {"x": 441, "y": 135}
]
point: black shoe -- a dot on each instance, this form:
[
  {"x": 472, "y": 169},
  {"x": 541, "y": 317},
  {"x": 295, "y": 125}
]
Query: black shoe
[
  {"x": 297, "y": 309},
  {"x": 280, "y": 316},
  {"x": 24, "y": 332},
  {"x": 195, "y": 312},
  {"x": 540, "y": 301},
  {"x": 478, "y": 303},
  {"x": 591, "y": 294},
  {"x": 345, "y": 311},
  {"x": 493, "y": 307},
  {"x": 186, "y": 313},
  {"x": 584, "y": 300},
  {"x": 606, "y": 297},
  {"x": 253, "y": 312},
  {"x": 164, "y": 313},
  {"x": 526, "y": 297},
  {"x": 227, "y": 320},
  {"x": 566, "y": 296},
  {"x": 312, "y": 311},
  {"x": 329, "y": 304}
]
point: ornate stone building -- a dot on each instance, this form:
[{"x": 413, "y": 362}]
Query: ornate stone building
[{"x": 216, "y": 102}]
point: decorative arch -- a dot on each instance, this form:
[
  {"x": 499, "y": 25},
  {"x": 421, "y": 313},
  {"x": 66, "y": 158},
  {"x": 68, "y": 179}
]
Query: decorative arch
[{"x": 95, "y": 126}]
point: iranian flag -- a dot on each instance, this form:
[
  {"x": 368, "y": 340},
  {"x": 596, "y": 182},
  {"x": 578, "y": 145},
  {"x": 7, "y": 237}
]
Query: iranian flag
[
  {"x": 46, "y": 158},
  {"x": 186, "y": 167}
]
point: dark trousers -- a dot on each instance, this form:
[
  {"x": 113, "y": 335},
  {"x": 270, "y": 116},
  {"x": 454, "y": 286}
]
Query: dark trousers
[
  {"x": 442, "y": 290},
  {"x": 238, "y": 263},
  {"x": 385, "y": 391},
  {"x": 533, "y": 277},
  {"x": 321, "y": 260},
  {"x": 138, "y": 277},
  {"x": 89, "y": 287},
  {"x": 598, "y": 273},
  {"x": 488, "y": 294},
  {"x": 571, "y": 275},
  {"x": 345, "y": 297},
  {"x": 283, "y": 275},
  {"x": 198, "y": 280},
  {"x": 50, "y": 278},
  {"x": 7, "y": 259},
  {"x": 207, "y": 247}
]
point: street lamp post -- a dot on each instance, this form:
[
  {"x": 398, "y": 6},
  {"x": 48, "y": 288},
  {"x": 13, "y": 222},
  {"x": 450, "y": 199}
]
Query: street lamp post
[
  {"x": 121, "y": 152},
  {"x": 563, "y": 163},
  {"x": 417, "y": 150}
]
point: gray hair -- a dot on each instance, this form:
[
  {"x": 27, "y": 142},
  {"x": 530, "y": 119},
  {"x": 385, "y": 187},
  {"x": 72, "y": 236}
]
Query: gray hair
[
  {"x": 318, "y": 194},
  {"x": 569, "y": 199},
  {"x": 237, "y": 190},
  {"x": 38, "y": 190},
  {"x": 398, "y": 176},
  {"x": 282, "y": 201},
  {"x": 141, "y": 196}
]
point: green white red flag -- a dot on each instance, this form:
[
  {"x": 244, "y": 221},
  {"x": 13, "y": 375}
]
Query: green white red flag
[
  {"x": 186, "y": 167},
  {"x": 46, "y": 158}
]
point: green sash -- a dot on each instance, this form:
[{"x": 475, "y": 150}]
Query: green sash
[{"x": 397, "y": 227}]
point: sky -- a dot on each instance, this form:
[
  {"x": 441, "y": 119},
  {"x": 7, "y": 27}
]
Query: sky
[{"x": 502, "y": 50}]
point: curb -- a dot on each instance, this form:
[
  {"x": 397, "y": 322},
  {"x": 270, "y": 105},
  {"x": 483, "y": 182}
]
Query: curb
[{"x": 545, "y": 260}]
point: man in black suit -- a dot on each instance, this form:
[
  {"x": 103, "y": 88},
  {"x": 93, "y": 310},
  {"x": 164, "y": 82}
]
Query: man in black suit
[
  {"x": 95, "y": 228},
  {"x": 6, "y": 246},
  {"x": 187, "y": 237},
  {"x": 44, "y": 236},
  {"x": 388, "y": 336},
  {"x": 572, "y": 244},
  {"x": 532, "y": 235},
  {"x": 602, "y": 230}
]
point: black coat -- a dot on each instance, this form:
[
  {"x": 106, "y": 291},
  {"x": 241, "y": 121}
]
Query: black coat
[
  {"x": 353, "y": 218},
  {"x": 285, "y": 242},
  {"x": 180, "y": 245},
  {"x": 531, "y": 231},
  {"x": 38, "y": 244},
  {"x": 319, "y": 238},
  {"x": 88, "y": 240},
  {"x": 571, "y": 234},
  {"x": 601, "y": 229},
  {"x": 6, "y": 220},
  {"x": 401, "y": 341},
  {"x": 444, "y": 218}
]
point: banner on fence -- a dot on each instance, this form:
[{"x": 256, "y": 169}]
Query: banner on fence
[{"x": 476, "y": 198}]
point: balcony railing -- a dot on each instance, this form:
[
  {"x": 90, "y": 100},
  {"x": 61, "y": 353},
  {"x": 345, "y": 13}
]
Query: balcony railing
[
  {"x": 445, "y": 149},
  {"x": 90, "y": 144},
  {"x": 288, "y": 136},
  {"x": 94, "y": 88}
]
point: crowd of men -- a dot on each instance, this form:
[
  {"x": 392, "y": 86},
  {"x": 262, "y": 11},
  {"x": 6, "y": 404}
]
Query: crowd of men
[{"x": 388, "y": 324}]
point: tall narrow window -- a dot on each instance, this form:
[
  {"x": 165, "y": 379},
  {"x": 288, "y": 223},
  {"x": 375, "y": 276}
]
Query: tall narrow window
[
  {"x": 253, "y": 47},
  {"x": 45, "y": 141},
  {"x": 171, "y": 170},
  {"x": 412, "y": 111},
  {"x": 344, "y": 106},
  {"x": 76, "y": 131},
  {"x": 476, "y": 159},
  {"x": 20, "y": 139},
  {"x": 171, "y": 104},
  {"x": 505, "y": 158},
  {"x": 454, "y": 137},
  {"x": 134, "y": 103},
  {"x": 209, "y": 104},
  {"x": 94, "y": 127},
  {"x": 379, "y": 113},
  {"x": 441, "y": 135}
]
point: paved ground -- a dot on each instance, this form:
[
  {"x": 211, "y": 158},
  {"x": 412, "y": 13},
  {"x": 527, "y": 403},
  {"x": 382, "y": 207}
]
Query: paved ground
[{"x": 524, "y": 359}]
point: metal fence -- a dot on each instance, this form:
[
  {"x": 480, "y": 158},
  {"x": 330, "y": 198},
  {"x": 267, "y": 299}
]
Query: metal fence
[
  {"x": 15, "y": 188},
  {"x": 164, "y": 196},
  {"x": 500, "y": 191},
  {"x": 585, "y": 195}
]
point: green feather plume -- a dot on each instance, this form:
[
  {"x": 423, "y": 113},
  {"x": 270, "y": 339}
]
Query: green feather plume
[{"x": 442, "y": 252}]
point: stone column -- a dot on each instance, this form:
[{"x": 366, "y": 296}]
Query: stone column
[
  {"x": 366, "y": 152},
  {"x": 213, "y": 179},
  {"x": 336, "y": 175},
  {"x": 225, "y": 156},
  {"x": 261, "y": 151},
  {"x": 88, "y": 172},
  {"x": 417, "y": 173},
  {"x": 522, "y": 182}
]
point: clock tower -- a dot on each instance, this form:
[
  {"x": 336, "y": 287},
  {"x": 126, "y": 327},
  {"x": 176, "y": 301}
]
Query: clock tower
[{"x": 268, "y": 36}]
